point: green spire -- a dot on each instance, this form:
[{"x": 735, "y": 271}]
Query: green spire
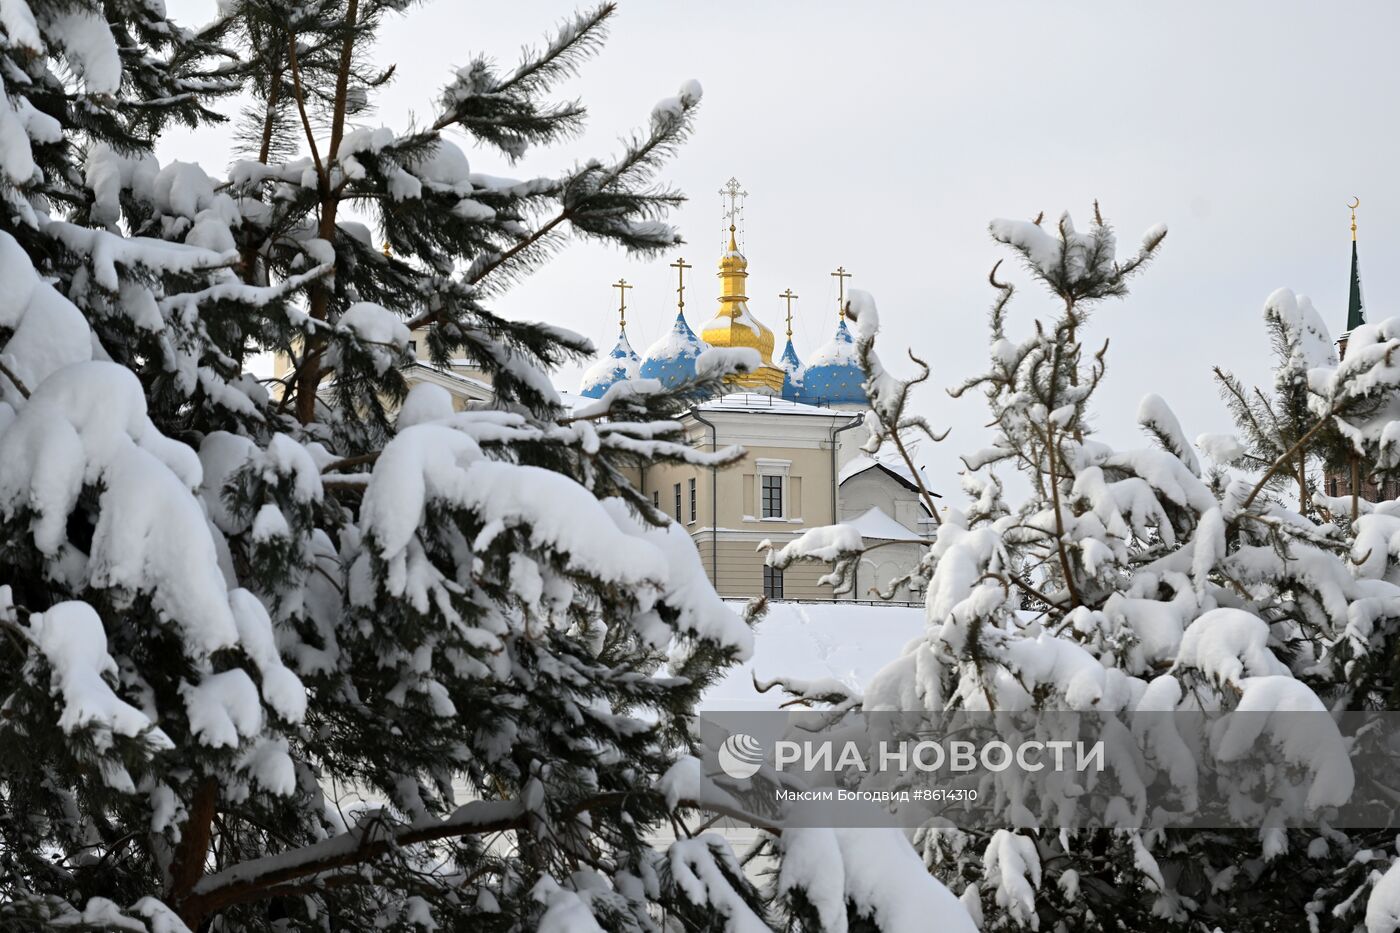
[{"x": 1356, "y": 307}]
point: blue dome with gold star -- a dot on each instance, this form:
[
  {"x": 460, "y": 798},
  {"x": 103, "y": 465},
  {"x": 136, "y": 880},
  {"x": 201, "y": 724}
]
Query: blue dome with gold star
[
  {"x": 833, "y": 375},
  {"x": 622, "y": 363},
  {"x": 671, "y": 360}
]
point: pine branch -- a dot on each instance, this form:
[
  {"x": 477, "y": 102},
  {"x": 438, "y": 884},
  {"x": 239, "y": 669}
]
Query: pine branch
[
  {"x": 1286, "y": 456},
  {"x": 259, "y": 879},
  {"x": 16, "y": 381},
  {"x": 300, "y": 95}
]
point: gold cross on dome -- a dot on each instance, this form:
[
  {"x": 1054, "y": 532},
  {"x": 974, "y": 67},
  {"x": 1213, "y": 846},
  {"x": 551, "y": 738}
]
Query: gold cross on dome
[
  {"x": 622, "y": 286},
  {"x": 734, "y": 192},
  {"x": 788, "y": 296},
  {"x": 841, "y": 275},
  {"x": 680, "y": 265}
]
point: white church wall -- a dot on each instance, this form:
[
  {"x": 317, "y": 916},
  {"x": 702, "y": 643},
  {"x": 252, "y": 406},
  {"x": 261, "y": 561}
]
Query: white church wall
[{"x": 877, "y": 489}]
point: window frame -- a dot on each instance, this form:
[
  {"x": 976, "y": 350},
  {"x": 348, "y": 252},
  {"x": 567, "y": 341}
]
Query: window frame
[
  {"x": 693, "y": 504},
  {"x": 772, "y": 582},
  {"x": 767, "y": 469},
  {"x": 770, "y": 495},
  {"x": 678, "y": 501}
]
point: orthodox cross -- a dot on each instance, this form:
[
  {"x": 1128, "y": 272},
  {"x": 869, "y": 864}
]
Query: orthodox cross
[
  {"x": 841, "y": 275},
  {"x": 680, "y": 265},
  {"x": 734, "y": 192},
  {"x": 622, "y": 286},
  {"x": 788, "y": 296}
]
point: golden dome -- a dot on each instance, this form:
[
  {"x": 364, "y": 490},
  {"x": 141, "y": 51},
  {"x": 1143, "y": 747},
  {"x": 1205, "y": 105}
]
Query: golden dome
[{"x": 734, "y": 326}]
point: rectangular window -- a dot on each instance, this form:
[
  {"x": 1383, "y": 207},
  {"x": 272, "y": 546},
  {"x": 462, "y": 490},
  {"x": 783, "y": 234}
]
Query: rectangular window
[
  {"x": 772, "y": 497},
  {"x": 655, "y": 499},
  {"x": 692, "y": 498},
  {"x": 678, "y": 502},
  {"x": 772, "y": 582}
]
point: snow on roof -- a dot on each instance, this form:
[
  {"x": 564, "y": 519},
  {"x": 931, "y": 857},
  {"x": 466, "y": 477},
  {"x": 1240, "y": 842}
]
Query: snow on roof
[
  {"x": 860, "y": 463},
  {"x": 573, "y": 401},
  {"x": 671, "y": 359},
  {"x": 453, "y": 374},
  {"x": 832, "y": 373},
  {"x": 621, "y": 363},
  {"x": 757, "y": 401},
  {"x": 843, "y": 641},
  {"x": 877, "y": 525}
]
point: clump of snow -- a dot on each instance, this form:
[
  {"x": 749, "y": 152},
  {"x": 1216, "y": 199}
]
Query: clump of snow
[
  {"x": 18, "y": 22},
  {"x": 71, "y": 638},
  {"x": 183, "y": 188},
  {"x": 1049, "y": 253},
  {"x": 445, "y": 167},
  {"x": 86, "y": 425},
  {"x": 384, "y": 333},
  {"x": 1228, "y": 645},
  {"x": 671, "y": 109},
  {"x": 686, "y": 587},
  {"x": 1299, "y": 726},
  {"x": 1383, "y": 906},
  {"x": 1309, "y": 343},
  {"x": 426, "y": 402},
  {"x": 1013, "y": 867},
  {"x": 722, "y": 361},
  {"x": 876, "y": 872},
  {"x": 222, "y": 707},
  {"x": 49, "y": 331},
  {"x": 87, "y": 44},
  {"x": 1157, "y": 417},
  {"x": 827, "y": 543},
  {"x": 696, "y": 870},
  {"x": 429, "y": 463},
  {"x": 281, "y": 689},
  {"x": 1221, "y": 448}
]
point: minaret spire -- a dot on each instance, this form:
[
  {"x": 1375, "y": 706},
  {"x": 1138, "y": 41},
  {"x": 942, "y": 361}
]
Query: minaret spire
[{"x": 1356, "y": 305}]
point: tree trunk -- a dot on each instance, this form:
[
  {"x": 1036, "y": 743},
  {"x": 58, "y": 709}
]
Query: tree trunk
[
  {"x": 309, "y": 377},
  {"x": 195, "y": 835},
  {"x": 1303, "y": 503},
  {"x": 1355, "y": 487}
]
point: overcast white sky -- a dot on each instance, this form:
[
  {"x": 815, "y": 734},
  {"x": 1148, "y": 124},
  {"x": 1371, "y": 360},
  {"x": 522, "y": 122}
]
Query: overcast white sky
[{"x": 884, "y": 136}]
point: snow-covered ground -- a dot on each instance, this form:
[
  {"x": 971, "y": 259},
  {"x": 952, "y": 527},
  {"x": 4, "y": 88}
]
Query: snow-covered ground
[{"x": 815, "y": 641}]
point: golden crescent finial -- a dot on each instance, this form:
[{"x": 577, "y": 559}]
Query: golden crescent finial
[{"x": 1355, "y": 202}]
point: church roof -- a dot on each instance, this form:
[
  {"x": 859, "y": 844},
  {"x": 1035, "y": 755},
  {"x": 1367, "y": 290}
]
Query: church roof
[
  {"x": 877, "y": 525},
  {"x": 734, "y": 325},
  {"x": 769, "y": 404},
  {"x": 833, "y": 375},
  {"x": 792, "y": 372},
  {"x": 861, "y": 463},
  {"x": 671, "y": 360},
  {"x": 621, "y": 363}
]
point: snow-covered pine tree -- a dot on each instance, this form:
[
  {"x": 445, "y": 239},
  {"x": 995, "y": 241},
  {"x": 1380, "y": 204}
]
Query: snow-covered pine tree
[
  {"x": 1277, "y": 427},
  {"x": 284, "y": 660},
  {"x": 1154, "y": 586}
]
